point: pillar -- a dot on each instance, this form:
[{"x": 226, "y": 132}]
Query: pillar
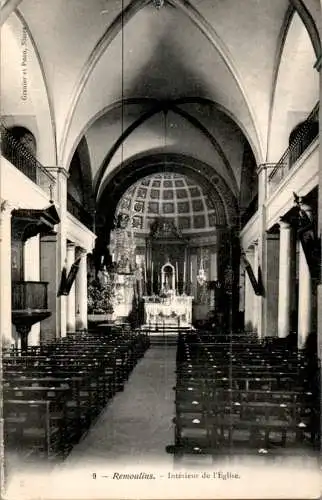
[
  {"x": 256, "y": 299},
  {"x": 50, "y": 327},
  {"x": 305, "y": 299},
  {"x": 60, "y": 196},
  {"x": 261, "y": 265},
  {"x": 5, "y": 273},
  {"x": 193, "y": 283},
  {"x": 284, "y": 279},
  {"x": 213, "y": 266},
  {"x": 213, "y": 277},
  {"x": 32, "y": 273},
  {"x": 272, "y": 283},
  {"x": 71, "y": 297},
  {"x": 81, "y": 291},
  {"x": 241, "y": 302},
  {"x": 249, "y": 294}
]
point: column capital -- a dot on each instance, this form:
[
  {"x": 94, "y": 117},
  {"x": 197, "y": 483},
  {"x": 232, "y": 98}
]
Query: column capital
[
  {"x": 82, "y": 252},
  {"x": 265, "y": 166},
  {"x": 58, "y": 171},
  {"x": 284, "y": 224}
]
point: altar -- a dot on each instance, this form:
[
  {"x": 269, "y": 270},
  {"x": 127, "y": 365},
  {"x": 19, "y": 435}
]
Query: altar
[
  {"x": 169, "y": 311},
  {"x": 169, "y": 308}
]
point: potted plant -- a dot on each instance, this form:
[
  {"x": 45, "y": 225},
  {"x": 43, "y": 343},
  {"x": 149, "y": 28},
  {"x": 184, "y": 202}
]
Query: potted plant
[{"x": 99, "y": 301}]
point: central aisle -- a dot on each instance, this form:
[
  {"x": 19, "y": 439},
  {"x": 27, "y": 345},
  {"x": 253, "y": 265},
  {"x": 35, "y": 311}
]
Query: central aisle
[{"x": 136, "y": 426}]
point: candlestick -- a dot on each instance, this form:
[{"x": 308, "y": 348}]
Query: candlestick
[
  {"x": 184, "y": 276},
  {"x": 177, "y": 275},
  {"x": 190, "y": 272},
  {"x": 152, "y": 278}
]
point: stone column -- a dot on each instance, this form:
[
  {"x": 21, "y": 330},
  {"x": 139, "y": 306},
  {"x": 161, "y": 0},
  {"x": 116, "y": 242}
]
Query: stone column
[
  {"x": 193, "y": 286},
  {"x": 81, "y": 291},
  {"x": 71, "y": 299},
  {"x": 284, "y": 280},
  {"x": 213, "y": 266},
  {"x": 249, "y": 294},
  {"x": 50, "y": 327},
  {"x": 261, "y": 257},
  {"x": 213, "y": 276},
  {"x": 272, "y": 262},
  {"x": 241, "y": 303},
  {"x": 32, "y": 273},
  {"x": 256, "y": 300},
  {"x": 5, "y": 273},
  {"x": 305, "y": 299},
  {"x": 60, "y": 196}
]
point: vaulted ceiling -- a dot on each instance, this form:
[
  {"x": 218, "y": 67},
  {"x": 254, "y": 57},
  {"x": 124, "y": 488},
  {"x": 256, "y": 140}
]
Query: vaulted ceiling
[{"x": 195, "y": 77}]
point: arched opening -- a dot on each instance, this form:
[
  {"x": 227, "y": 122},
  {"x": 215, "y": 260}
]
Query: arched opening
[
  {"x": 199, "y": 212},
  {"x": 296, "y": 89},
  {"x": 26, "y": 138},
  {"x": 19, "y": 146},
  {"x": 301, "y": 137},
  {"x": 80, "y": 201}
]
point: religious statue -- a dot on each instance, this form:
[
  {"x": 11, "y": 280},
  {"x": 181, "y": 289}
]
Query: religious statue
[{"x": 103, "y": 276}]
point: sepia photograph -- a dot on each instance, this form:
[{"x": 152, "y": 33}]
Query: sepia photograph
[{"x": 160, "y": 249}]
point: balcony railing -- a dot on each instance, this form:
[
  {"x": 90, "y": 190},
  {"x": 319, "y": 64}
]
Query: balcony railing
[
  {"x": 303, "y": 137},
  {"x": 15, "y": 152},
  {"x": 78, "y": 211},
  {"x": 29, "y": 295}
]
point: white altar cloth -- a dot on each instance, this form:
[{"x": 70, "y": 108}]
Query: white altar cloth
[{"x": 175, "y": 310}]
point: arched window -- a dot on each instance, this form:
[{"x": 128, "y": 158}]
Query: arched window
[
  {"x": 19, "y": 147},
  {"x": 79, "y": 186},
  {"x": 25, "y": 138},
  {"x": 301, "y": 137}
]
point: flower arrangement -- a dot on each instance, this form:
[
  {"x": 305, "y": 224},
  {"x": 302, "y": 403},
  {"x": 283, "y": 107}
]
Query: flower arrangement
[{"x": 99, "y": 297}]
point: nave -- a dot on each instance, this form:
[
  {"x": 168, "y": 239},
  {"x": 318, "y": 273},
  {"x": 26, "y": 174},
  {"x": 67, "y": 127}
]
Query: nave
[
  {"x": 109, "y": 401},
  {"x": 137, "y": 424},
  {"x": 116, "y": 395}
]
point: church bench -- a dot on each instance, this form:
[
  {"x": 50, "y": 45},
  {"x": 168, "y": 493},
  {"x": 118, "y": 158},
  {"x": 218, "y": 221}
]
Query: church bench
[
  {"x": 77, "y": 397},
  {"x": 36, "y": 426},
  {"x": 207, "y": 427},
  {"x": 255, "y": 368},
  {"x": 283, "y": 378},
  {"x": 80, "y": 402},
  {"x": 225, "y": 362},
  {"x": 91, "y": 369}
]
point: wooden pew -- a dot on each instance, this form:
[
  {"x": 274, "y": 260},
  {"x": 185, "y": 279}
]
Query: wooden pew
[
  {"x": 247, "y": 393},
  {"x": 76, "y": 375}
]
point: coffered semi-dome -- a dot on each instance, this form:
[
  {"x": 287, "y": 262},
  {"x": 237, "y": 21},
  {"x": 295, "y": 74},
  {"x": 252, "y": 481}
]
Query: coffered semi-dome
[{"x": 173, "y": 196}]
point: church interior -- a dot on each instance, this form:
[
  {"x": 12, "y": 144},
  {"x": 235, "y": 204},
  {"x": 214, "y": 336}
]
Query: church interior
[{"x": 161, "y": 293}]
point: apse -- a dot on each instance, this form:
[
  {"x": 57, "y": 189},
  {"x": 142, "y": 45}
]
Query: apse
[{"x": 176, "y": 197}]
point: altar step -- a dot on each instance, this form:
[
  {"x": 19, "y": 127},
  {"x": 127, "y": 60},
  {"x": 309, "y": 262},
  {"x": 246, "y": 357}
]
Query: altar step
[
  {"x": 163, "y": 340},
  {"x": 164, "y": 336},
  {"x": 167, "y": 330}
]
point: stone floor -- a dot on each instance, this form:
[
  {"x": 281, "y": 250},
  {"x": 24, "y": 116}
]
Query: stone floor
[{"x": 137, "y": 425}]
